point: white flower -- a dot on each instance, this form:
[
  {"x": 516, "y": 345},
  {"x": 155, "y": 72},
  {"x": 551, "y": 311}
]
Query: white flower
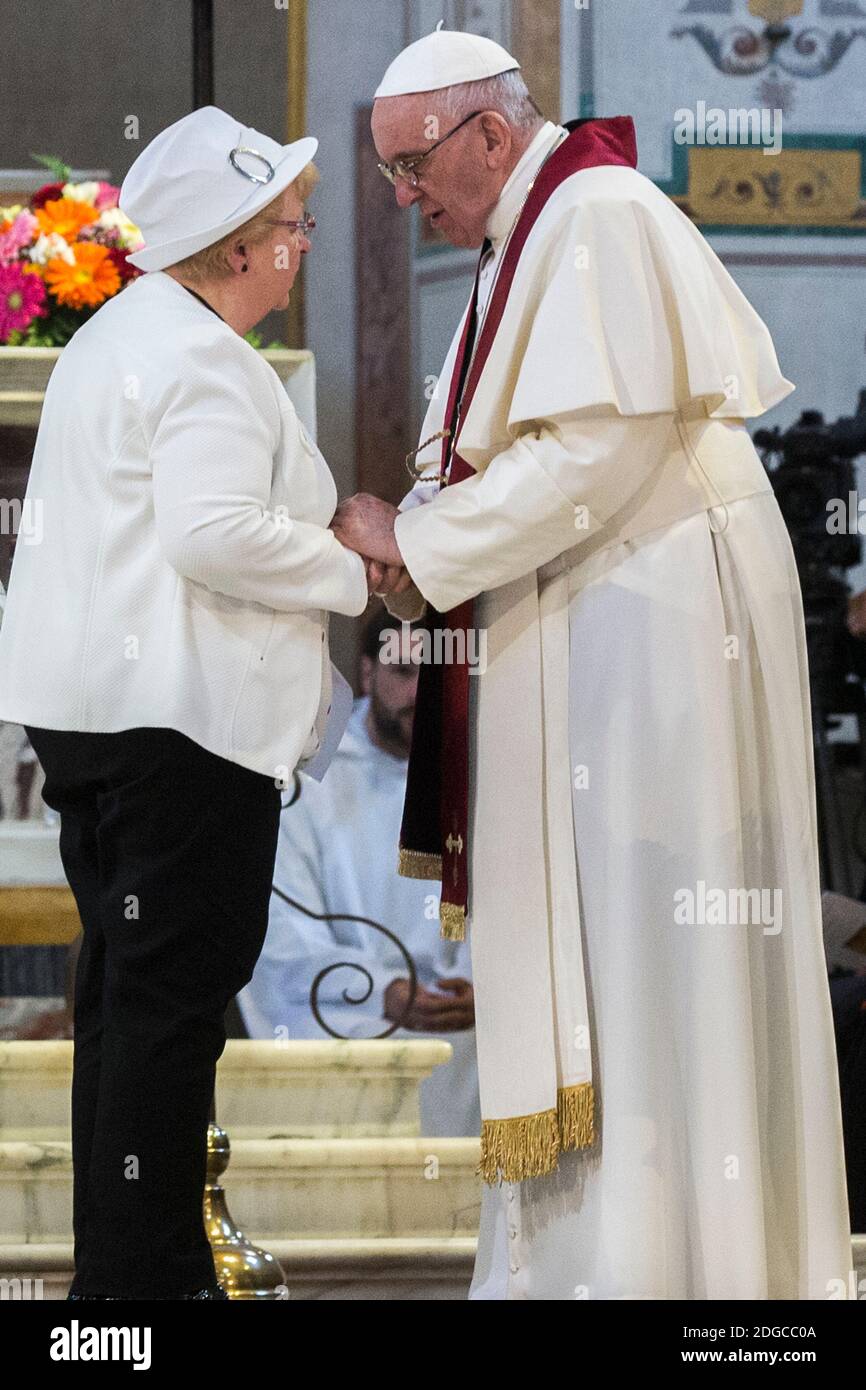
[
  {"x": 9, "y": 214},
  {"x": 81, "y": 192},
  {"x": 114, "y": 219},
  {"x": 50, "y": 245}
]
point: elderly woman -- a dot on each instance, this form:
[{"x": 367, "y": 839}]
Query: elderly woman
[{"x": 166, "y": 647}]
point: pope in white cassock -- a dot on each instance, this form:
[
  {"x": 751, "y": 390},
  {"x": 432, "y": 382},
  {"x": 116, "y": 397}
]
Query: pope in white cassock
[{"x": 620, "y": 801}]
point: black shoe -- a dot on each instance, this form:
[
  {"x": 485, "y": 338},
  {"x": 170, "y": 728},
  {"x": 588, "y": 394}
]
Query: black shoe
[
  {"x": 213, "y": 1291},
  {"x": 96, "y": 1297}
]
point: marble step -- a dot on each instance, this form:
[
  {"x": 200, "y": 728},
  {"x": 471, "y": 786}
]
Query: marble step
[
  {"x": 285, "y": 1090},
  {"x": 281, "y": 1189},
  {"x": 379, "y": 1268},
  {"x": 421, "y": 1268}
]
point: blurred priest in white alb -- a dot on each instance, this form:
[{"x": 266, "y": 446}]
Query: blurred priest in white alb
[{"x": 335, "y": 855}]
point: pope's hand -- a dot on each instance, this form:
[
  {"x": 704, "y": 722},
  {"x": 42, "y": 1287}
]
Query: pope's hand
[{"x": 366, "y": 524}]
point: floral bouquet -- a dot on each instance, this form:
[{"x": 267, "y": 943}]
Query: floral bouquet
[{"x": 60, "y": 258}]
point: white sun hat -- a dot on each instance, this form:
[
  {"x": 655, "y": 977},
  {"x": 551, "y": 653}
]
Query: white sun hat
[
  {"x": 201, "y": 178},
  {"x": 443, "y": 59}
]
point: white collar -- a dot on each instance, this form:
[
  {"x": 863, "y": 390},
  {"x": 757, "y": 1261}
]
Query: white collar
[{"x": 503, "y": 215}]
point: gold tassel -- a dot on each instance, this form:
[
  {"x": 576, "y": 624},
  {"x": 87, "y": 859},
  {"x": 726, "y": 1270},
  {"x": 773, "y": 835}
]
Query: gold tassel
[
  {"x": 453, "y": 920},
  {"x": 575, "y": 1115},
  {"x": 414, "y": 863},
  {"x": 526, "y": 1146}
]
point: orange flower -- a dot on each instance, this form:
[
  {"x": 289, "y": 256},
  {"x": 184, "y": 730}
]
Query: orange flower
[
  {"x": 88, "y": 282},
  {"x": 66, "y": 216}
]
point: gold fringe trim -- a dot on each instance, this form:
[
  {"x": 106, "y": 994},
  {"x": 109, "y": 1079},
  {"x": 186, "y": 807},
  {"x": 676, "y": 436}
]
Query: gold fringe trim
[
  {"x": 528, "y": 1146},
  {"x": 414, "y": 863},
  {"x": 575, "y": 1115},
  {"x": 525, "y": 1146},
  {"x": 453, "y": 920}
]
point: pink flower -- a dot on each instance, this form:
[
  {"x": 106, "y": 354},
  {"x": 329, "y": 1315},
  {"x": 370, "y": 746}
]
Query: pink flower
[
  {"x": 19, "y": 233},
  {"x": 22, "y": 295},
  {"x": 107, "y": 196}
]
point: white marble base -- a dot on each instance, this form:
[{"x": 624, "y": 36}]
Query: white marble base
[
  {"x": 372, "y": 1270},
  {"x": 264, "y": 1089},
  {"x": 280, "y": 1189},
  {"x": 324, "y": 1089},
  {"x": 335, "y": 1270},
  {"x": 381, "y": 1214}
]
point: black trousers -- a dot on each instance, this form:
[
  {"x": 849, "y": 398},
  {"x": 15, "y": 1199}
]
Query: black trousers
[{"x": 170, "y": 852}]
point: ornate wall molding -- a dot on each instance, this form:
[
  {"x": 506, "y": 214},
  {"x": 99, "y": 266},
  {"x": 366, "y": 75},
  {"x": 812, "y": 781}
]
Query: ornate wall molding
[
  {"x": 815, "y": 185},
  {"x": 536, "y": 42},
  {"x": 383, "y": 326}
]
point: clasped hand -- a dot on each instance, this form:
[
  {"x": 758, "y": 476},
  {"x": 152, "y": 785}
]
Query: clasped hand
[{"x": 365, "y": 524}]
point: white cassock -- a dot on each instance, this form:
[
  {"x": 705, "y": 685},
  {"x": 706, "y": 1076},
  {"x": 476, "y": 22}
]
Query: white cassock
[
  {"x": 336, "y": 854},
  {"x": 618, "y": 383}
]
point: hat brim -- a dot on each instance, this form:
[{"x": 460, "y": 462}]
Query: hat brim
[{"x": 159, "y": 255}]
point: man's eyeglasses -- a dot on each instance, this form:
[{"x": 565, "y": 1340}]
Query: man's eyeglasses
[
  {"x": 408, "y": 168},
  {"x": 305, "y": 225}
]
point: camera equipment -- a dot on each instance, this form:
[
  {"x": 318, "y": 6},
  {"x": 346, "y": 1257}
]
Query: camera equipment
[{"x": 811, "y": 468}]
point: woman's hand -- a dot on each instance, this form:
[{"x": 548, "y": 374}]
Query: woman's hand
[{"x": 386, "y": 579}]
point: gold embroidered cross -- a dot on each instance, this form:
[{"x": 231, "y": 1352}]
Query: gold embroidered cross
[{"x": 451, "y": 844}]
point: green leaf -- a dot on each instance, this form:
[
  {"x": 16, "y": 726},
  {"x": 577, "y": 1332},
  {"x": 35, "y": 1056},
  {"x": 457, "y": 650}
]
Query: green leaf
[
  {"x": 255, "y": 340},
  {"x": 54, "y": 165},
  {"x": 55, "y": 331}
]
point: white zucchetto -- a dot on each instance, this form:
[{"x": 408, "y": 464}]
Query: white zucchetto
[{"x": 444, "y": 59}]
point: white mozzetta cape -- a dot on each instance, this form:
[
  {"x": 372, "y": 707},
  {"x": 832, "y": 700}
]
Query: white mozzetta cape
[
  {"x": 618, "y": 308},
  {"x": 618, "y": 533}
]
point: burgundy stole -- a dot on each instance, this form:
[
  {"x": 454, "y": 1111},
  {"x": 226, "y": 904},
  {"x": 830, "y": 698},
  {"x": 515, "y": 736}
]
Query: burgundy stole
[{"x": 434, "y": 836}]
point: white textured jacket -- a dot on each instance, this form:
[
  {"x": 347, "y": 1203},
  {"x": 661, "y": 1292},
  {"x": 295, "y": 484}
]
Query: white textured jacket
[{"x": 175, "y": 569}]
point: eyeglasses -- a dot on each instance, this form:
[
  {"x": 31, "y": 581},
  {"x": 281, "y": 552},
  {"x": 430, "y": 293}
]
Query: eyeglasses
[
  {"x": 306, "y": 224},
  {"x": 407, "y": 168}
]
